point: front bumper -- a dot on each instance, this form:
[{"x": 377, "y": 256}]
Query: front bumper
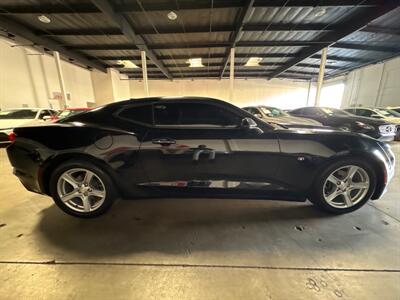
[{"x": 387, "y": 157}]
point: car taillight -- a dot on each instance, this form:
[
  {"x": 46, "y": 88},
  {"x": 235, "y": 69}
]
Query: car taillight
[{"x": 12, "y": 136}]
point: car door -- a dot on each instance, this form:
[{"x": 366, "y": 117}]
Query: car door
[{"x": 201, "y": 145}]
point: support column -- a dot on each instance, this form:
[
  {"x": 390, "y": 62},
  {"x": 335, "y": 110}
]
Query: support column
[
  {"x": 321, "y": 76},
  {"x": 63, "y": 102},
  {"x": 144, "y": 70},
  {"x": 231, "y": 74}
]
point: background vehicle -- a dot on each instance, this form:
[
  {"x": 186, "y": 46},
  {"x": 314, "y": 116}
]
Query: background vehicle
[
  {"x": 273, "y": 114},
  {"x": 194, "y": 146},
  {"x": 378, "y": 113},
  {"x": 379, "y": 129},
  {"x": 11, "y": 118},
  {"x": 395, "y": 108},
  {"x": 70, "y": 112}
]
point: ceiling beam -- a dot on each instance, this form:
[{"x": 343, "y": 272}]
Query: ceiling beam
[
  {"x": 237, "y": 64},
  {"x": 360, "y": 65},
  {"x": 382, "y": 30},
  {"x": 244, "y": 44},
  {"x": 352, "y": 24},
  {"x": 242, "y": 18},
  {"x": 239, "y": 55},
  {"x": 21, "y": 31},
  {"x": 126, "y": 28},
  {"x": 189, "y": 29},
  {"x": 366, "y": 47},
  {"x": 82, "y": 8}
]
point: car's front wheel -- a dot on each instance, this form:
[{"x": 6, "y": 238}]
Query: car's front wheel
[
  {"x": 81, "y": 189},
  {"x": 344, "y": 186}
]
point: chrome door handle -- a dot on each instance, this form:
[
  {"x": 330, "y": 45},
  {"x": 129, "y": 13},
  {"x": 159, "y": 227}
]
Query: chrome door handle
[
  {"x": 210, "y": 152},
  {"x": 164, "y": 141}
]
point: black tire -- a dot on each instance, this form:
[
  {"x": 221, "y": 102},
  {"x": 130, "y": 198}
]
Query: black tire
[
  {"x": 317, "y": 196},
  {"x": 109, "y": 187}
]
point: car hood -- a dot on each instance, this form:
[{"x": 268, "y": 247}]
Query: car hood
[
  {"x": 12, "y": 123},
  {"x": 369, "y": 121},
  {"x": 291, "y": 120},
  {"x": 393, "y": 120}
]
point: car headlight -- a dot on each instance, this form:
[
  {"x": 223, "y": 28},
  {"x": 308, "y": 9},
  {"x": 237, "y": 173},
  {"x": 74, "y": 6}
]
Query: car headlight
[
  {"x": 363, "y": 125},
  {"x": 387, "y": 129}
]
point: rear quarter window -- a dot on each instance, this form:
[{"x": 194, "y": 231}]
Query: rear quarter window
[{"x": 138, "y": 114}]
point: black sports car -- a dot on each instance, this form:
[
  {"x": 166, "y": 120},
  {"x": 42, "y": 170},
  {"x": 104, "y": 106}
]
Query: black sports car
[
  {"x": 194, "y": 146},
  {"x": 337, "y": 118}
]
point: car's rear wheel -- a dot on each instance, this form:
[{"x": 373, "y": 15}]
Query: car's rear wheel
[
  {"x": 344, "y": 186},
  {"x": 81, "y": 189}
]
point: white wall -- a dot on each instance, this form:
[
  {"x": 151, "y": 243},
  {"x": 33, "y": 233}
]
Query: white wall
[
  {"x": 29, "y": 78},
  {"x": 376, "y": 85},
  {"x": 110, "y": 87},
  {"x": 276, "y": 92}
]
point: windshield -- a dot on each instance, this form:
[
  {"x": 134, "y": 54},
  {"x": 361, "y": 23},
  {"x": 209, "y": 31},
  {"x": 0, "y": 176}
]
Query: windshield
[
  {"x": 388, "y": 112},
  {"x": 335, "y": 112},
  {"x": 18, "y": 114},
  {"x": 68, "y": 113},
  {"x": 396, "y": 110},
  {"x": 273, "y": 111}
]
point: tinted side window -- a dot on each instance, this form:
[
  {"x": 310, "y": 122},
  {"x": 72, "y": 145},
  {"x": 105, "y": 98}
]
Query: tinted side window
[
  {"x": 142, "y": 114},
  {"x": 194, "y": 114},
  {"x": 364, "y": 112},
  {"x": 308, "y": 112},
  {"x": 298, "y": 111}
]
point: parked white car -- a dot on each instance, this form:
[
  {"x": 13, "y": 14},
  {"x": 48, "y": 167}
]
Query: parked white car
[{"x": 12, "y": 118}]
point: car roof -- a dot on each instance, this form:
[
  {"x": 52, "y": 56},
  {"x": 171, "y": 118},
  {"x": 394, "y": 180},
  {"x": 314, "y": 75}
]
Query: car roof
[
  {"x": 169, "y": 99},
  {"x": 77, "y": 108}
]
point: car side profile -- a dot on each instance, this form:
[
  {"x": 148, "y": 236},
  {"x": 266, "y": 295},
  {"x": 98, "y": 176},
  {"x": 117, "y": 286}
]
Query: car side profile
[
  {"x": 341, "y": 119},
  {"x": 192, "y": 146}
]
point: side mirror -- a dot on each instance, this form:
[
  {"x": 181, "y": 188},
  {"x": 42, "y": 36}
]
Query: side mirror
[
  {"x": 270, "y": 115},
  {"x": 258, "y": 115},
  {"x": 46, "y": 118},
  {"x": 248, "y": 123}
]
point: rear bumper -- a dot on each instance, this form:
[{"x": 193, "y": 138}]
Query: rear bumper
[{"x": 25, "y": 167}]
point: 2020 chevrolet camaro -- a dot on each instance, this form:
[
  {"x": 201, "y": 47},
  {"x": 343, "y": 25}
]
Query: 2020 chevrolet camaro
[{"x": 194, "y": 146}]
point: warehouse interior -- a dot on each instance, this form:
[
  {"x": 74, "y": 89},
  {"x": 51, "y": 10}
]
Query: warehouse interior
[{"x": 280, "y": 53}]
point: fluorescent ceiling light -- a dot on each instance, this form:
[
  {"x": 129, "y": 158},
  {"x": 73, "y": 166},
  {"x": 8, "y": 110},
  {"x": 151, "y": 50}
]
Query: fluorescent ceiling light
[
  {"x": 253, "y": 62},
  {"x": 44, "y": 19},
  {"x": 128, "y": 64},
  {"x": 195, "y": 63},
  {"x": 172, "y": 15},
  {"x": 319, "y": 12}
]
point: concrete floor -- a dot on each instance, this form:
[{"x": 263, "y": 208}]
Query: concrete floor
[{"x": 197, "y": 249}]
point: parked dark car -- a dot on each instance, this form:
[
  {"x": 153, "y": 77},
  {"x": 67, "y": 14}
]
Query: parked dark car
[
  {"x": 276, "y": 115},
  {"x": 337, "y": 118},
  {"x": 194, "y": 146}
]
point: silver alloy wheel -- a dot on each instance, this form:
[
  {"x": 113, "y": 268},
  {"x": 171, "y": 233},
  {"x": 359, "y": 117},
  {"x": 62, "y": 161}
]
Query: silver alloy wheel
[
  {"x": 346, "y": 186},
  {"x": 81, "y": 190}
]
